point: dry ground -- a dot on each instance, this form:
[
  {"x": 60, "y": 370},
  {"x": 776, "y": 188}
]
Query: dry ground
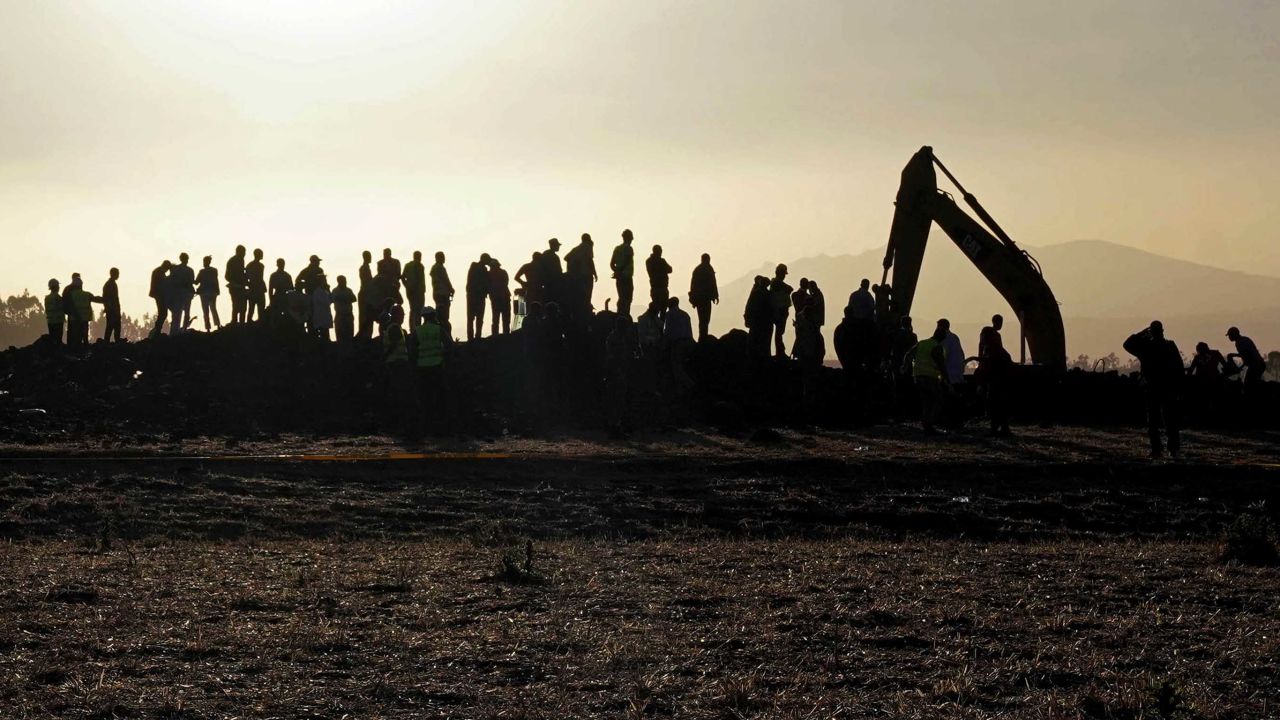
[
  {"x": 806, "y": 575},
  {"x": 669, "y": 628}
]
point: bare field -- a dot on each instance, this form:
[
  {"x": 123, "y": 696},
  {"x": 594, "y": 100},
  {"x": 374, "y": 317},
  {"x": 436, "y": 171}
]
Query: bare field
[
  {"x": 669, "y": 628},
  {"x": 812, "y": 576}
]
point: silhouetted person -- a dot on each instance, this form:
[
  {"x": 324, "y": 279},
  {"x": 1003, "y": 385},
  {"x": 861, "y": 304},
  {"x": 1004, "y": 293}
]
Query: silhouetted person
[
  {"x": 817, "y": 305},
  {"x": 310, "y": 275},
  {"x": 623, "y": 265},
  {"x": 955, "y": 354},
  {"x": 659, "y": 271},
  {"x": 1161, "y": 366},
  {"x": 499, "y": 298},
  {"x": 111, "y": 307},
  {"x": 928, "y": 365},
  {"x": 800, "y": 297},
  {"x": 321, "y": 308},
  {"x": 367, "y": 296},
  {"x": 159, "y": 292},
  {"x": 255, "y": 276},
  {"x": 1207, "y": 364},
  {"x": 677, "y": 330},
  {"x": 442, "y": 293},
  {"x": 237, "y": 285},
  {"x": 389, "y": 272},
  {"x": 55, "y": 314},
  {"x": 780, "y": 301},
  {"x": 900, "y": 344},
  {"x": 758, "y": 318},
  {"x": 281, "y": 283},
  {"x": 551, "y": 274},
  {"x": 182, "y": 284},
  {"x": 208, "y": 289},
  {"x": 81, "y": 312},
  {"x": 1254, "y": 364},
  {"x": 703, "y": 293},
  {"x": 477, "y": 296},
  {"x": 580, "y": 276},
  {"x": 528, "y": 278},
  {"x": 414, "y": 277},
  {"x": 810, "y": 351},
  {"x": 620, "y": 354},
  {"x": 862, "y": 304},
  {"x": 343, "y": 315},
  {"x": 884, "y": 302},
  {"x": 428, "y": 351},
  {"x": 994, "y": 368},
  {"x": 395, "y": 355}
]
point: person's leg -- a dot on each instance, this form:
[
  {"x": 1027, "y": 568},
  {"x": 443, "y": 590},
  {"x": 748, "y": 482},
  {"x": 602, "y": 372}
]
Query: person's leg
[
  {"x": 1172, "y": 422},
  {"x": 480, "y": 302},
  {"x": 1154, "y": 422},
  {"x": 204, "y": 312},
  {"x": 213, "y": 308},
  {"x": 161, "y": 316},
  {"x": 779, "y": 347},
  {"x": 495, "y": 306}
]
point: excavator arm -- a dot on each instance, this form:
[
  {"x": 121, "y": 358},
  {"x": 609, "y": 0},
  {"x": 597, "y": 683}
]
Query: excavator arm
[{"x": 1013, "y": 272}]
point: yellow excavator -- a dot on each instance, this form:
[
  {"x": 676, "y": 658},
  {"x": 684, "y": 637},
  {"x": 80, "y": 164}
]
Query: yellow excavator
[{"x": 1009, "y": 268}]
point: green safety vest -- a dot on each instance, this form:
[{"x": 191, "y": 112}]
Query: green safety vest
[
  {"x": 923, "y": 360},
  {"x": 53, "y": 310},
  {"x": 393, "y": 342},
  {"x": 430, "y": 345}
]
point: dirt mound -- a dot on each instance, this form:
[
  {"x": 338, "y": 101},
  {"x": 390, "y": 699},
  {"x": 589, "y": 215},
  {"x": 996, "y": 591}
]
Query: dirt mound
[{"x": 258, "y": 380}]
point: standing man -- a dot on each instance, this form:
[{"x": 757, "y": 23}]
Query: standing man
[
  {"x": 499, "y": 297},
  {"x": 310, "y": 276},
  {"x": 111, "y": 306},
  {"x": 389, "y": 272},
  {"x": 528, "y": 275},
  {"x": 208, "y": 290},
  {"x": 182, "y": 283},
  {"x": 659, "y": 271},
  {"x": 81, "y": 311},
  {"x": 580, "y": 272},
  {"x": 1254, "y": 364},
  {"x": 994, "y": 366},
  {"x": 160, "y": 293},
  {"x": 55, "y": 313},
  {"x": 780, "y": 301},
  {"x": 623, "y": 265},
  {"x": 1161, "y": 367},
  {"x": 551, "y": 273},
  {"x": 256, "y": 285},
  {"x": 442, "y": 293},
  {"x": 703, "y": 292},
  {"x": 365, "y": 296},
  {"x": 237, "y": 285},
  {"x": 344, "y": 318},
  {"x": 415, "y": 288},
  {"x": 477, "y": 296},
  {"x": 281, "y": 284}
]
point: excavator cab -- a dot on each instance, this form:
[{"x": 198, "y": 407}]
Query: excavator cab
[{"x": 1009, "y": 268}]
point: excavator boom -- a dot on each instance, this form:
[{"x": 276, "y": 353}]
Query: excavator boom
[{"x": 1007, "y": 267}]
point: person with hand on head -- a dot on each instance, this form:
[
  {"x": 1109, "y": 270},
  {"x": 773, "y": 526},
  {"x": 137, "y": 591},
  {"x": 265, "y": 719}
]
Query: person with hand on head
[{"x": 1160, "y": 365}]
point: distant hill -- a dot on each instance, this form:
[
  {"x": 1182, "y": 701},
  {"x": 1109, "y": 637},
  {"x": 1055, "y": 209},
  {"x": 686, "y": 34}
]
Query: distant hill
[{"x": 1106, "y": 290}]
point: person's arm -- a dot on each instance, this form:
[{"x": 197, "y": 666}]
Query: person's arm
[{"x": 715, "y": 288}]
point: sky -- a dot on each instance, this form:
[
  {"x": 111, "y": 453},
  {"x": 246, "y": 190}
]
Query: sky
[{"x": 131, "y": 131}]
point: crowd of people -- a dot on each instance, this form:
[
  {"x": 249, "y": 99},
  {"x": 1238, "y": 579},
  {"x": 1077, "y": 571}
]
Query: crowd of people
[{"x": 873, "y": 342}]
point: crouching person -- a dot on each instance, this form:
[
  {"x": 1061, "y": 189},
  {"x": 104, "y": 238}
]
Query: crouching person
[{"x": 428, "y": 354}]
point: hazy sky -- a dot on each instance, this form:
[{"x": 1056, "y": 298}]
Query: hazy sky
[{"x": 757, "y": 131}]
